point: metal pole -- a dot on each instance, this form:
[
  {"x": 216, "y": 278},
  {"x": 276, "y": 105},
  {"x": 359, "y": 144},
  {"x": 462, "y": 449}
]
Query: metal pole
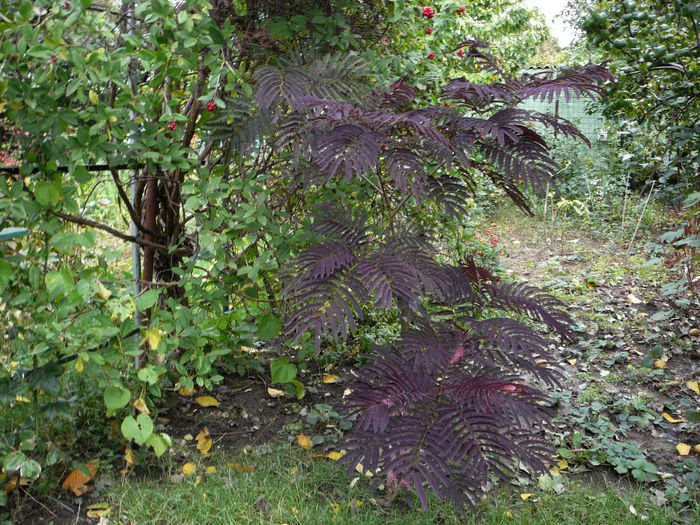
[{"x": 135, "y": 250}]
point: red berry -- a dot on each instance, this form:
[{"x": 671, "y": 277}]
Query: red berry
[
  {"x": 428, "y": 12},
  {"x": 431, "y": 56},
  {"x": 66, "y": 5},
  {"x": 53, "y": 58},
  {"x": 429, "y": 31},
  {"x": 460, "y": 53},
  {"x": 211, "y": 106},
  {"x": 172, "y": 124},
  {"x": 461, "y": 10},
  {"x": 446, "y": 104}
]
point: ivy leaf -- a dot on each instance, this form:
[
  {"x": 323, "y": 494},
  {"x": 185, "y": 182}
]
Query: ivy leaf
[
  {"x": 160, "y": 443},
  {"x": 282, "y": 371},
  {"x": 139, "y": 429},
  {"x": 116, "y": 398}
]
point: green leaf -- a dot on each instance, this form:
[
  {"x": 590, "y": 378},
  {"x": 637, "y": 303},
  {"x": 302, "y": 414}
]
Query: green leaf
[
  {"x": 47, "y": 193},
  {"x": 13, "y": 461},
  {"x": 282, "y": 371},
  {"x": 11, "y": 233},
  {"x": 160, "y": 443},
  {"x": 147, "y": 300},
  {"x": 116, "y": 398},
  {"x": 268, "y": 327},
  {"x": 139, "y": 429},
  {"x": 5, "y": 274},
  {"x": 30, "y": 469}
]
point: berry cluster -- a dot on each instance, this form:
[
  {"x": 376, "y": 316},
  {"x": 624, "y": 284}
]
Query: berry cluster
[
  {"x": 461, "y": 10},
  {"x": 172, "y": 125},
  {"x": 428, "y": 12},
  {"x": 211, "y": 105},
  {"x": 429, "y": 31}
]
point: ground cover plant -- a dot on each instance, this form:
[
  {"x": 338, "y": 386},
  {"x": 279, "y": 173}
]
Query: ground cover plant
[{"x": 287, "y": 205}]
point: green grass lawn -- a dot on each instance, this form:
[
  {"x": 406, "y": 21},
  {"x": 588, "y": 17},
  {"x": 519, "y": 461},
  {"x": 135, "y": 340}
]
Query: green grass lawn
[{"x": 288, "y": 485}]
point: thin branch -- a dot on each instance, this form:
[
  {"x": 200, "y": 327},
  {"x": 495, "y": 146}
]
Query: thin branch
[{"x": 127, "y": 202}]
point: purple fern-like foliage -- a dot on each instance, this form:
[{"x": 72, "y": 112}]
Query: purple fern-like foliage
[{"x": 448, "y": 403}]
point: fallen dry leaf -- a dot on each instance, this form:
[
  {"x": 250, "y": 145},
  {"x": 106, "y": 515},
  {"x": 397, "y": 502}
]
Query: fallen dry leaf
[
  {"x": 206, "y": 401},
  {"x": 140, "y": 405},
  {"x": 204, "y": 445},
  {"x": 693, "y": 385},
  {"x": 572, "y": 362},
  {"x": 331, "y": 378},
  {"x": 671, "y": 419},
  {"x": 694, "y": 332},
  {"x": 273, "y": 392},
  {"x": 683, "y": 449},
  {"x": 696, "y": 448},
  {"x": 335, "y": 456},
  {"x": 189, "y": 468},
  {"x": 304, "y": 441},
  {"x": 76, "y": 480},
  {"x": 210, "y": 470},
  {"x": 129, "y": 457},
  {"x": 242, "y": 468},
  {"x": 660, "y": 364},
  {"x": 525, "y": 496},
  {"x": 186, "y": 391},
  {"x": 98, "y": 510}
]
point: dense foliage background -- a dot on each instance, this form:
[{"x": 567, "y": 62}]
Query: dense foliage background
[{"x": 185, "y": 180}]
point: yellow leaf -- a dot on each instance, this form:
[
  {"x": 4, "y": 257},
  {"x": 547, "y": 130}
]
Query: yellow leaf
[
  {"x": 79, "y": 365},
  {"x": 189, "y": 468},
  {"x": 204, "y": 445},
  {"x": 153, "y": 336},
  {"x": 304, "y": 441},
  {"x": 76, "y": 480},
  {"x": 683, "y": 449},
  {"x": 273, "y": 392},
  {"x": 187, "y": 437},
  {"x": 140, "y": 405},
  {"x": 335, "y": 456},
  {"x": 197, "y": 480},
  {"x": 242, "y": 468},
  {"x": 693, "y": 385},
  {"x": 525, "y": 497},
  {"x": 93, "y": 97},
  {"x": 696, "y": 448},
  {"x": 360, "y": 469},
  {"x": 207, "y": 401},
  {"x": 671, "y": 419},
  {"x": 562, "y": 464},
  {"x": 129, "y": 457},
  {"x": 330, "y": 379},
  {"x": 210, "y": 470},
  {"x": 508, "y": 514},
  {"x": 203, "y": 434},
  {"x": 186, "y": 391},
  {"x": 97, "y": 510},
  {"x": 572, "y": 362},
  {"x": 660, "y": 364},
  {"x": 103, "y": 292},
  {"x": 22, "y": 399}
]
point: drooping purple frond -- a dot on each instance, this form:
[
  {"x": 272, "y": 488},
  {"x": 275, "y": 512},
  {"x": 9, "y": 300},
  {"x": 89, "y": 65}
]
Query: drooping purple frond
[{"x": 351, "y": 148}]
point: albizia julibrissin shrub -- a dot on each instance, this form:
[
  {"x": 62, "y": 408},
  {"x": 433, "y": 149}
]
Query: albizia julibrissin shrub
[{"x": 447, "y": 404}]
